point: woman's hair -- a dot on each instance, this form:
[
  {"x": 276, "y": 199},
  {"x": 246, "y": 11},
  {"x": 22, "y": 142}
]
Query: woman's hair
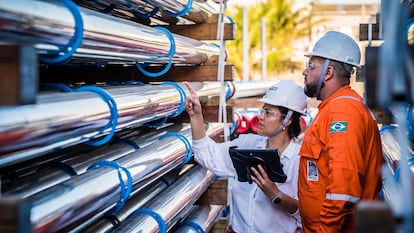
[{"x": 294, "y": 128}]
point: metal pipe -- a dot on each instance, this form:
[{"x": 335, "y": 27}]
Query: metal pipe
[
  {"x": 137, "y": 200},
  {"x": 60, "y": 120},
  {"x": 172, "y": 204},
  {"x": 74, "y": 201},
  {"x": 50, "y": 26},
  {"x": 79, "y": 162},
  {"x": 252, "y": 88},
  {"x": 201, "y": 219},
  {"x": 198, "y": 12},
  {"x": 392, "y": 156}
]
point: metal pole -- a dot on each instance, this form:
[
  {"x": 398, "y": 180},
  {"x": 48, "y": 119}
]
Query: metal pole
[{"x": 245, "y": 27}]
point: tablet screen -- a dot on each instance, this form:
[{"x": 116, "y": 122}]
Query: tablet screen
[{"x": 244, "y": 159}]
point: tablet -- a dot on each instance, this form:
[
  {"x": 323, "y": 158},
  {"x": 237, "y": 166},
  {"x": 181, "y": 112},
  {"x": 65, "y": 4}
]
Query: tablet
[{"x": 244, "y": 159}]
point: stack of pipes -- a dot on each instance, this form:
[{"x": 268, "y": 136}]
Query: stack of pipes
[{"x": 69, "y": 186}]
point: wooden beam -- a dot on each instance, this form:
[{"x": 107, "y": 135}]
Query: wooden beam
[
  {"x": 19, "y": 74},
  {"x": 94, "y": 74},
  {"x": 220, "y": 226},
  {"x": 204, "y": 31}
]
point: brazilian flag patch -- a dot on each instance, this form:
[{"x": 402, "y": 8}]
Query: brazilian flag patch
[{"x": 338, "y": 126}]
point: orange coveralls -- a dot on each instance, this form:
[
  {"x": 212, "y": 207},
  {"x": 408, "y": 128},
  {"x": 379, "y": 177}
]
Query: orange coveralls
[{"x": 340, "y": 164}]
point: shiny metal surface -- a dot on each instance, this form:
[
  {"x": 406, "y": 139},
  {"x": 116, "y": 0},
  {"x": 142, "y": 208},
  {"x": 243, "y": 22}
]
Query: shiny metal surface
[
  {"x": 390, "y": 146},
  {"x": 171, "y": 203},
  {"x": 392, "y": 155},
  {"x": 138, "y": 199},
  {"x": 59, "y": 120},
  {"x": 204, "y": 217},
  {"x": 198, "y": 12},
  {"x": 251, "y": 88},
  {"x": 52, "y": 175},
  {"x": 74, "y": 201},
  {"x": 49, "y": 25}
]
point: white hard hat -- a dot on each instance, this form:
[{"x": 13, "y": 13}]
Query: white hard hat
[
  {"x": 288, "y": 94},
  {"x": 337, "y": 46}
]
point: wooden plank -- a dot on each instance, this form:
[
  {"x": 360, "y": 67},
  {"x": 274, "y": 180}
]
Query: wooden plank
[
  {"x": 220, "y": 226},
  {"x": 204, "y": 31},
  {"x": 19, "y": 75},
  {"x": 15, "y": 215},
  {"x": 194, "y": 73},
  {"x": 216, "y": 194},
  {"x": 94, "y": 74}
]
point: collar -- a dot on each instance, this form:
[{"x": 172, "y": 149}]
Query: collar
[{"x": 343, "y": 91}]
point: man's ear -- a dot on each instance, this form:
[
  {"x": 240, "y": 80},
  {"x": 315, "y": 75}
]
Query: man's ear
[{"x": 329, "y": 73}]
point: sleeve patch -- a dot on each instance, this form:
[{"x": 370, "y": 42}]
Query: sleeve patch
[{"x": 338, "y": 126}]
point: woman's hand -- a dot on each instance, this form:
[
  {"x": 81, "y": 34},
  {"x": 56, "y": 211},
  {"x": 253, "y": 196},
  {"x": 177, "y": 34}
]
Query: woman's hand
[
  {"x": 192, "y": 103},
  {"x": 193, "y": 107},
  {"x": 263, "y": 181},
  {"x": 271, "y": 190}
]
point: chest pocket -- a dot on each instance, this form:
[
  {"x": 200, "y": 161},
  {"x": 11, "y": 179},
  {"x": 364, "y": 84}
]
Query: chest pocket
[{"x": 311, "y": 149}]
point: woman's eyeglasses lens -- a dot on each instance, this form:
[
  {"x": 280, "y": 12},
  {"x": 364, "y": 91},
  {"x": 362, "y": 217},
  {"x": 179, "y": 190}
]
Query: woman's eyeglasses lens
[{"x": 267, "y": 112}]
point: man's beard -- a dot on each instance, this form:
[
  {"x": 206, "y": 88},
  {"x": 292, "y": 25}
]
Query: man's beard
[{"x": 311, "y": 89}]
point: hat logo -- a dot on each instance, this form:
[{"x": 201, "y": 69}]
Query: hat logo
[{"x": 273, "y": 88}]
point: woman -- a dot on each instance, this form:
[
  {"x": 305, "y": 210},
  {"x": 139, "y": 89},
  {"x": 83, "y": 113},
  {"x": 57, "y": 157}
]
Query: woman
[{"x": 263, "y": 206}]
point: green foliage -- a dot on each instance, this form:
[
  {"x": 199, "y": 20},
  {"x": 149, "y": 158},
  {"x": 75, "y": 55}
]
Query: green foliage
[{"x": 284, "y": 25}]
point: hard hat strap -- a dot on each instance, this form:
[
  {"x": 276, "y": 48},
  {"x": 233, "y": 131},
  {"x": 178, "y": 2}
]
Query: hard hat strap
[
  {"x": 283, "y": 125},
  {"x": 324, "y": 68}
]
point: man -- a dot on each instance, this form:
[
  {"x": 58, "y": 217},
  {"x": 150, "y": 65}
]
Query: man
[{"x": 341, "y": 153}]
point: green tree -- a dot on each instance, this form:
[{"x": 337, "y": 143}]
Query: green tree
[{"x": 284, "y": 25}]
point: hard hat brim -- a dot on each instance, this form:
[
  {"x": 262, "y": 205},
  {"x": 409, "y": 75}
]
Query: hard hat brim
[{"x": 313, "y": 54}]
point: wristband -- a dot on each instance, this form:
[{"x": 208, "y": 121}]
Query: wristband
[{"x": 278, "y": 198}]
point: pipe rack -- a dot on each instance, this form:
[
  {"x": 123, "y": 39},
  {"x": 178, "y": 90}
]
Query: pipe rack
[
  {"x": 105, "y": 38},
  {"x": 77, "y": 199},
  {"x": 78, "y": 162},
  {"x": 178, "y": 12},
  {"x": 137, "y": 200},
  {"x": 201, "y": 219},
  {"x": 171, "y": 205},
  {"x": 59, "y": 120}
]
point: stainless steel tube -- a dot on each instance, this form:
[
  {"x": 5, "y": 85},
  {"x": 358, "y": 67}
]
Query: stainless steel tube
[
  {"x": 136, "y": 201},
  {"x": 201, "y": 219},
  {"x": 49, "y": 26},
  {"x": 171, "y": 204},
  {"x": 60, "y": 120},
  {"x": 198, "y": 11},
  {"x": 251, "y": 88},
  {"x": 53, "y": 175},
  {"x": 392, "y": 156},
  {"x": 74, "y": 201}
]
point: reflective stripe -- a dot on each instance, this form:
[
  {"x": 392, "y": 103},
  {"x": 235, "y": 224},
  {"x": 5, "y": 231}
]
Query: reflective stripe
[
  {"x": 346, "y": 97},
  {"x": 341, "y": 197}
]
